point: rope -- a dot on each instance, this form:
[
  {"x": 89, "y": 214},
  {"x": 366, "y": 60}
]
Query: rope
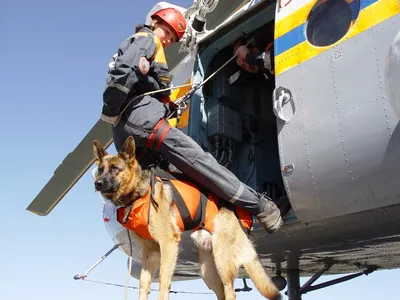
[
  {"x": 198, "y": 85},
  {"x": 154, "y": 92},
  {"x": 153, "y": 290},
  {"x": 129, "y": 267},
  {"x": 127, "y": 286}
]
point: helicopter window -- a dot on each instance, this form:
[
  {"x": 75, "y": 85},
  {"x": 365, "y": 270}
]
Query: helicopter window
[{"x": 330, "y": 20}]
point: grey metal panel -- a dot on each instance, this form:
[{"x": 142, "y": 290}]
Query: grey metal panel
[
  {"x": 327, "y": 167},
  {"x": 316, "y": 89},
  {"x": 298, "y": 184},
  {"x": 392, "y": 75},
  {"x": 347, "y": 125}
]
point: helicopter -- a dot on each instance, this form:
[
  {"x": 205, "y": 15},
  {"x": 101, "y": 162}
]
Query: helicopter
[{"x": 326, "y": 134}]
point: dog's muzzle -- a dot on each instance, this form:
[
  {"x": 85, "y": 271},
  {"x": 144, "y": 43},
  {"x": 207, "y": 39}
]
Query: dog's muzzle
[{"x": 106, "y": 186}]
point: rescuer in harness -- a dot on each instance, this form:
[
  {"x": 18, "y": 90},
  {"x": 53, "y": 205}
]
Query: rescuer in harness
[{"x": 139, "y": 66}]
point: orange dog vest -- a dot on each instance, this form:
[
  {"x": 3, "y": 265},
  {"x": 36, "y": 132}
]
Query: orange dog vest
[{"x": 194, "y": 208}]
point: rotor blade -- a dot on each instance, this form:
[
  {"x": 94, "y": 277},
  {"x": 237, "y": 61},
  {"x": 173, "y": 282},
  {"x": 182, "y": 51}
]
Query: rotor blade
[{"x": 74, "y": 165}]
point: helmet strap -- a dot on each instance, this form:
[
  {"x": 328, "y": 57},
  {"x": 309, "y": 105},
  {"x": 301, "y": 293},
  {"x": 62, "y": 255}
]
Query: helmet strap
[{"x": 153, "y": 25}]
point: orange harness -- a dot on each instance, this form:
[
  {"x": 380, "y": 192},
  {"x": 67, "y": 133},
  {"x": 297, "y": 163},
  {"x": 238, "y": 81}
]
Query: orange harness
[{"x": 194, "y": 207}]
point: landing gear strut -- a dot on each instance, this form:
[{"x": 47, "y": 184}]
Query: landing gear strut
[
  {"x": 245, "y": 288},
  {"x": 294, "y": 291},
  {"x": 293, "y": 280}
]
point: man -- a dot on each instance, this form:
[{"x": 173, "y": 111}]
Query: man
[
  {"x": 139, "y": 66},
  {"x": 253, "y": 60},
  {"x": 256, "y": 58}
]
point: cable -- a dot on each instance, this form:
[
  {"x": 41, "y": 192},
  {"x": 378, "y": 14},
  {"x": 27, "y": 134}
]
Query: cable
[
  {"x": 154, "y": 92},
  {"x": 197, "y": 85},
  {"x": 219, "y": 69},
  {"x": 153, "y": 290},
  {"x": 130, "y": 265},
  {"x": 127, "y": 286},
  {"x": 252, "y": 172}
]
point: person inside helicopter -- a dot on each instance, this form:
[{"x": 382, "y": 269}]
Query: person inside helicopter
[{"x": 255, "y": 57}]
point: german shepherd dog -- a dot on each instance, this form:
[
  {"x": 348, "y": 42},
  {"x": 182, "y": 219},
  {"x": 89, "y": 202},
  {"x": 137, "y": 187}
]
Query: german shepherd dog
[{"x": 120, "y": 179}]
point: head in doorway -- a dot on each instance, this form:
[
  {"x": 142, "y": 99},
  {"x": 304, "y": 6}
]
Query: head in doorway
[
  {"x": 243, "y": 52},
  {"x": 257, "y": 55}
]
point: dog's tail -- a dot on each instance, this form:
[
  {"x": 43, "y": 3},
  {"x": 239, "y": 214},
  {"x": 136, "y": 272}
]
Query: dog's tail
[{"x": 261, "y": 279}]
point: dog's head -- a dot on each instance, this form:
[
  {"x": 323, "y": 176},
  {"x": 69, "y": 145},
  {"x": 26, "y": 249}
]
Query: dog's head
[{"x": 118, "y": 174}]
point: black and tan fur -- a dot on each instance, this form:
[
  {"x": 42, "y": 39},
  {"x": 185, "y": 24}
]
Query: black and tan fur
[{"x": 121, "y": 180}]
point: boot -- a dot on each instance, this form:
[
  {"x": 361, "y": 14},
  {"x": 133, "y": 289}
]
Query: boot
[{"x": 270, "y": 215}]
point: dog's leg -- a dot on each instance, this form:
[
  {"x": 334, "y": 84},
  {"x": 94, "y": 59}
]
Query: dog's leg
[
  {"x": 169, "y": 255},
  {"x": 225, "y": 249},
  {"x": 226, "y": 269},
  {"x": 209, "y": 273},
  {"x": 150, "y": 262}
]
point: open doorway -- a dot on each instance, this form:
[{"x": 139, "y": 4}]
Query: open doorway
[{"x": 241, "y": 126}]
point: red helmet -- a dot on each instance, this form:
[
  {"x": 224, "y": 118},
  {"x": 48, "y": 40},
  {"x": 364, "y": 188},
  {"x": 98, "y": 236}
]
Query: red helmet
[{"x": 174, "y": 19}]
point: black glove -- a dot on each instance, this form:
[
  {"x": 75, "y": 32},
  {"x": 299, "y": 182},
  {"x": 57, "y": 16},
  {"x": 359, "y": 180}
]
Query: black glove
[{"x": 255, "y": 58}]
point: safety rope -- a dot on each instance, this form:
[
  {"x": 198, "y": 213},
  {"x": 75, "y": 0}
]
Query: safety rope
[
  {"x": 130, "y": 265},
  {"x": 195, "y": 86},
  {"x": 199, "y": 85},
  {"x": 137, "y": 288},
  {"x": 154, "y": 92},
  {"x": 220, "y": 68}
]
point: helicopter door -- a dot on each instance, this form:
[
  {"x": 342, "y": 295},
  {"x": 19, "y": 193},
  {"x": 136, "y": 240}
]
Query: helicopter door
[{"x": 310, "y": 41}]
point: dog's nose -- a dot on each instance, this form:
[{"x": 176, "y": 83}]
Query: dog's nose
[{"x": 98, "y": 184}]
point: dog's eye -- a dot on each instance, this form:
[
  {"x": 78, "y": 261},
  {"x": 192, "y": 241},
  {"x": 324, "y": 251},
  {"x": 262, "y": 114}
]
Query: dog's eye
[
  {"x": 100, "y": 170},
  {"x": 114, "y": 168}
]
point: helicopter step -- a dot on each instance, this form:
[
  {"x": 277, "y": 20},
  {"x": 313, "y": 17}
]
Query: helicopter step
[{"x": 295, "y": 292}]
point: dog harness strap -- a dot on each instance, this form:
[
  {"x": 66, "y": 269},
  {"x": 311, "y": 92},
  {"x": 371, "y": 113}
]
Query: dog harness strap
[
  {"x": 158, "y": 135},
  {"x": 188, "y": 222},
  {"x": 153, "y": 179},
  {"x": 120, "y": 215},
  {"x": 203, "y": 205},
  {"x": 166, "y": 176}
]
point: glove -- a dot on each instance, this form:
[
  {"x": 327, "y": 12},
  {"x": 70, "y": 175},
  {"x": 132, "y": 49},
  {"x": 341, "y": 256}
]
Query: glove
[{"x": 255, "y": 58}]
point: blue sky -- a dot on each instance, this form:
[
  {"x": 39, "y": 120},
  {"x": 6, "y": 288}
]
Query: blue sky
[{"x": 54, "y": 61}]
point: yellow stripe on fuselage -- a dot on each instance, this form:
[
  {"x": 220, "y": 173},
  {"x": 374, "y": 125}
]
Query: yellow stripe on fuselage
[
  {"x": 294, "y": 20},
  {"x": 368, "y": 17}
]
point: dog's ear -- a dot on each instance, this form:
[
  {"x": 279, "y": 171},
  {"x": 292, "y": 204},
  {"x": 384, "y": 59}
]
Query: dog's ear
[
  {"x": 98, "y": 151},
  {"x": 128, "y": 149}
]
